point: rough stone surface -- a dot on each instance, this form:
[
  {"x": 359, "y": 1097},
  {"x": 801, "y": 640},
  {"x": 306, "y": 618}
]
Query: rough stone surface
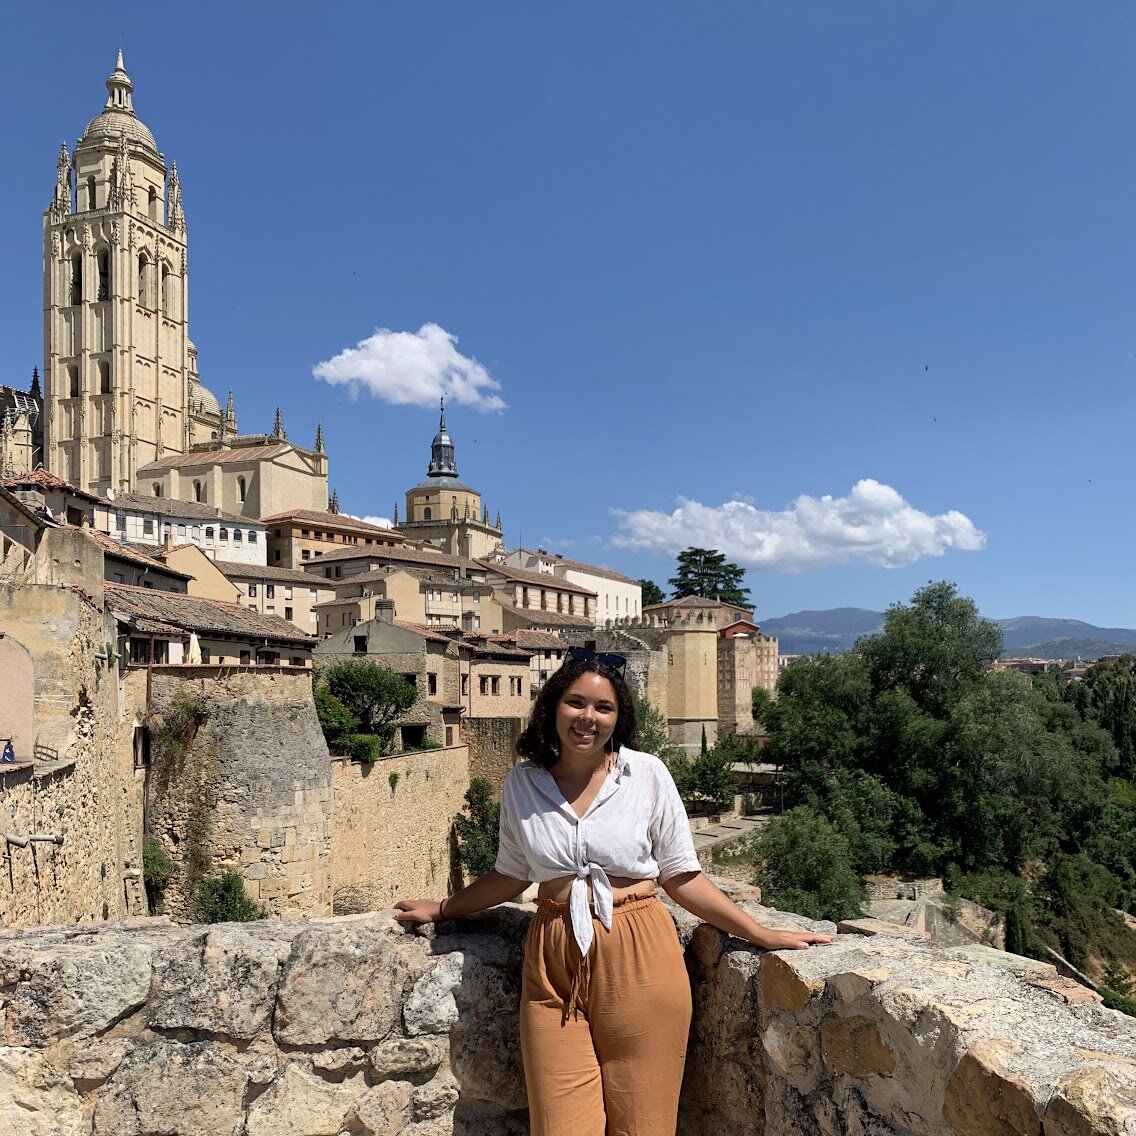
[{"x": 355, "y": 1026}]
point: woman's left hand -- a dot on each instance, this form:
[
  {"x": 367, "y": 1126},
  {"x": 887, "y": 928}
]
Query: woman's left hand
[{"x": 772, "y": 940}]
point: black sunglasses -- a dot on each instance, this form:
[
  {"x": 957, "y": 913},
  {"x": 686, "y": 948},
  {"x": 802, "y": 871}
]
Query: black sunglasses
[{"x": 612, "y": 662}]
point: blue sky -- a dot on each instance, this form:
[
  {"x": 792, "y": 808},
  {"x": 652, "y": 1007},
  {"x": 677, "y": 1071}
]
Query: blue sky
[{"x": 734, "y": 259}]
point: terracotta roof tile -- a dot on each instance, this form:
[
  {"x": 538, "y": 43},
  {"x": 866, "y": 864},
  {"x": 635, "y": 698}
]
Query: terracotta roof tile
[
  {"x": 331, "y": 521},
  {"x": 172, "y": 507},
  {"x": 579, "y": 565},
  {"x": 235, "y": 455},
  {"x": 543, "y": 579}
]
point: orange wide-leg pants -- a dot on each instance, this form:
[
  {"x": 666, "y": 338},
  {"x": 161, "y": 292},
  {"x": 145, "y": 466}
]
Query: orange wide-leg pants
[{"x": 604, "y": 1038}]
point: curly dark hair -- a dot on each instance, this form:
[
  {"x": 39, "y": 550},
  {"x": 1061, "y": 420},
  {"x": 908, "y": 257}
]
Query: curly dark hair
[{"x": 539, "y": 742}]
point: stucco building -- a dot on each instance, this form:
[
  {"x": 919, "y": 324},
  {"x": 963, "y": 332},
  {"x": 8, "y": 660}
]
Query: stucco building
[{"x": 618, "y": 597}]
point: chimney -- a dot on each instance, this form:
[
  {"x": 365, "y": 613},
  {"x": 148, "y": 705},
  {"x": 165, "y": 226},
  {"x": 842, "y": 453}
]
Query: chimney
[{"x": 384, "y": 610}]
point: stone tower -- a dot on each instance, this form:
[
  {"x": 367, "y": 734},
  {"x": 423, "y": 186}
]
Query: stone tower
[
  {"x": 445, "y": 511},
  {"x": 120, "y": 373}
]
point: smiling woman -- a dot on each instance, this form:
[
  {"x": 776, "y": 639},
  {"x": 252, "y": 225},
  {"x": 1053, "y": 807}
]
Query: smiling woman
[{"x": 605, "y": 998}]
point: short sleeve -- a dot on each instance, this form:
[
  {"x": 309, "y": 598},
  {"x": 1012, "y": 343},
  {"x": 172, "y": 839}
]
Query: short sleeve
[
  {"x": 671, "y": 841},
  {"x": 511, "y": 860}
]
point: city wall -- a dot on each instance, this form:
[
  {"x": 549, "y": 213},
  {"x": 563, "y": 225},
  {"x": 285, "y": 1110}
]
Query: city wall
[
  {"x": 71, "y": 824},
  {"x": 252, "y": 791},
  {"x": 391, "y": 829},
  {"x": 355, "y": 1025},
  {"x": 491, "y": 752}
]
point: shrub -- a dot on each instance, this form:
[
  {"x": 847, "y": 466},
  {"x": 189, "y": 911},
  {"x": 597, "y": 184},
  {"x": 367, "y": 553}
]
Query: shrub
[
  {"x": 223, "y": 899},
  {"x": 806, "y": 867},
  {"x": 157, "y": 871},
  {"x": 477, "y": 833},
  {"x": 336, "y": 721},
  {"x": 364, "y": 747}
]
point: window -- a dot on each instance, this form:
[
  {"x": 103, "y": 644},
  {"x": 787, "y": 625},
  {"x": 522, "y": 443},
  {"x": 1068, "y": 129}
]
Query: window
[
  {"x": 288, "y": 614},
  {"x": 252, "y": 588},
  {"x": 104, "y": 377},
  {"x": 276, "y": 555},
  {"x": 297, "y": 661},
  {"x": 141, "y": 747},
  {"x": 252, "y": 536},
  {"x": 360, "y": 642},
  {"x": 148, "y": 526},
  {"x": 431, "y": 683},
  {"x": 224, "y": 534},
  {"x": 92, "y": 199},
  {"x": 241, "y": 489},
  {"x": 73, "y": 381},
  {"x": 277, "y": 534},
  {"x": 153, "y": 203},
  {"x": 143, "y": 279},
  {"x": 270, "y": 591},
  {"x": 181, "y": 530},
  {"x": 166, "y": 293},
  {"x": 426, "y": 513},
  {"x": 303, "y": 532},
  {"x": 103, "y": 262},
  {"x": 464, "y": 684},
  {"x": 157, "y": 489},
  {"x": 205, "y": 654},
  {"x": 77, "y": 279},
  {"x": 120, "y": 520},
  {"x": 313, "y": 595},
  {"x": 495, "y": 684},
  {"x": 208, "y": 532},
  {"x": 271, "y": 609},
  {"x": 198, "y": 494},
  {"x": 449, "y": 735},
  {"x": 238, "y": 534},
  {"x": 246, "y": 658},
  {"x": 287, "y": 591}
]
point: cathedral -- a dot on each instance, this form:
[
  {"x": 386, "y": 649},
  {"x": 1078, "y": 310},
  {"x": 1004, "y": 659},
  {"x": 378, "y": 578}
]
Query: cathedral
[{"x": 124, "y": 408}]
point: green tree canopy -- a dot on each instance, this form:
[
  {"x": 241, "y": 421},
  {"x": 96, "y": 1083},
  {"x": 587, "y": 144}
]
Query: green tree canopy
[
  {"x": 652, "y": 593},
  {"x": 371, "y": 695},
  {"x": 705, "y": 572}
]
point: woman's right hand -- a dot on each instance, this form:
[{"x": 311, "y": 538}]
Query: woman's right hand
[{"x": 418, "y": 911}]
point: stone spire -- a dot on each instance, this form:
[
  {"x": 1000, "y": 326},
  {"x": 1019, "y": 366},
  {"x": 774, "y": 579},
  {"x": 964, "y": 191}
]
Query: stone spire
[
  {"x": 278, "y": 425},
  {"x": 175, "y": 208},
  {"x": 121, "y": 187},
  {"x": 394, "y": 520},
  {"x": 319, "y": 438},
  {"x": 442, "y": 461},
  {"x": 61, "y": 199},
  {"x": 119, "y": 88},
  {"x": 35, "y": 391},
  {"x": 498, "y": 524},
  {"x": 230, "y": 413},
  {"x": 333, "y": 502}
]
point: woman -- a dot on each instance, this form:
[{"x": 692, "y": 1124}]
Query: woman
[{"x": 605, "y": 998}]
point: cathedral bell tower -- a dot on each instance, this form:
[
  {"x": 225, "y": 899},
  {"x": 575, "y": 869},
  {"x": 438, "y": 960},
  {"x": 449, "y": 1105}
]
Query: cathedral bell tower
[{"x": 120, "y": 373}]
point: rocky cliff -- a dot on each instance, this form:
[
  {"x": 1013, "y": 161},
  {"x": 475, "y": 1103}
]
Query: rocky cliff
[{"x": 355, "y": 1025}]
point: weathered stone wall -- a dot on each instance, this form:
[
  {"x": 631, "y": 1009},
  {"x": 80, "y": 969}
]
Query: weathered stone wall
[
  {"x": 354, "y": 1025},
  {"x": 491, "y": 752},
  {"x": 254, "y": 787},
  {"x": 83, "y": 788},
  {"x": 392, "y": 826}
]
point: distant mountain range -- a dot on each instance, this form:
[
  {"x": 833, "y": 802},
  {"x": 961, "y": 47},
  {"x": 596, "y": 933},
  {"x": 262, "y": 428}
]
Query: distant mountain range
[{"x": 835, "y": 630}]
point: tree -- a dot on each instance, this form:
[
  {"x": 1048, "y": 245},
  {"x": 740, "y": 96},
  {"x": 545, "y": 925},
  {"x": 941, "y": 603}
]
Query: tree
[
  {"x": 806, "y": 867},
  {"x": 477, "y": 833},
  {"x": 652, "y": 593},
  {"x": 705, "y": 572},
  {"x": 761, "y": 701},
  {"x": 371, "y": 694}
]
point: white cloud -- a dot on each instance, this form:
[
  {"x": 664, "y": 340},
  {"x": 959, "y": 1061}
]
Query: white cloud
[
  {"x": 413, "y": 368},
  {"x": 872, "y": 525},
  {"x": 379, "y": 522}
]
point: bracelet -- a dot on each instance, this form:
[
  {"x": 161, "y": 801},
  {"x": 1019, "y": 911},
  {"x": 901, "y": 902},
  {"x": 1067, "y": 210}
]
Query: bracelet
[{"x": 441, "y": 910}]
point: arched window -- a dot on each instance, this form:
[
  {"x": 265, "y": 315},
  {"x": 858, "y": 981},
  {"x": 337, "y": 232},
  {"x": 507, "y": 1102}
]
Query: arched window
[
  {"x": 165, "y": 289},
  {"x": 426, "y": 513},
  {"x": 224, "y": 534},
  {"x": 208, "y": 532},
  {"x": 241, "y": 489},
  {"x": 92, "y": 202},
  {"x": 238, "y": 535},
  {"x": 104, "y": 275},
  {"x": 104, "y": 377},
  {"x": 143, "y": 280},
  {"x": 154, "y": 204},
  {"x": 157, "y": 489},
  {"x": 73, "y": 381},
  {"x": 197, "y": 494},
  {"x": 77, "y": 278}
]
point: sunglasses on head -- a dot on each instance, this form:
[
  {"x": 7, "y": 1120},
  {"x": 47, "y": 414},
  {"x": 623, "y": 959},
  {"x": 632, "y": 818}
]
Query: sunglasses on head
[{"x": 612, "y": 662}]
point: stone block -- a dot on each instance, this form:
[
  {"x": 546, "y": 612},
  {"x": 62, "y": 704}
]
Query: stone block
[
  {"x": 984, "y": 1099},
  {"x": 782, "y": 988},
  {"x": 854, "y": 1046},
  {"x": 1097, "y": 1101},
  {"x": 407, "y": 1055},
  {"x": 436, "y": 1098},
  {"x": 36, "y": 1100},
  {"x": 881, "y": 927},
  {"x": 382, "y": 1111},
  {"x": 302, "y": 1104}
]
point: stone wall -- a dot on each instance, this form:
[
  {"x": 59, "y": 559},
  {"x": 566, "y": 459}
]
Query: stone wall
[
  {"x": 254, "y": 790},
  {"x": 392, "y": 826},
  {"x": 83, "y": 787},
  {"x": 356, "y": 1026},
  {"x": 491, "y": 752}
]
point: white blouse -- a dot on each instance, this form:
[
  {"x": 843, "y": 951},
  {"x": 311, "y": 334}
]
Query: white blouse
[{"x": 636, "y": 827}]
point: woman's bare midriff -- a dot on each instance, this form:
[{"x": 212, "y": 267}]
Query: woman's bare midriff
[{"x": 622, "y": 888}]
